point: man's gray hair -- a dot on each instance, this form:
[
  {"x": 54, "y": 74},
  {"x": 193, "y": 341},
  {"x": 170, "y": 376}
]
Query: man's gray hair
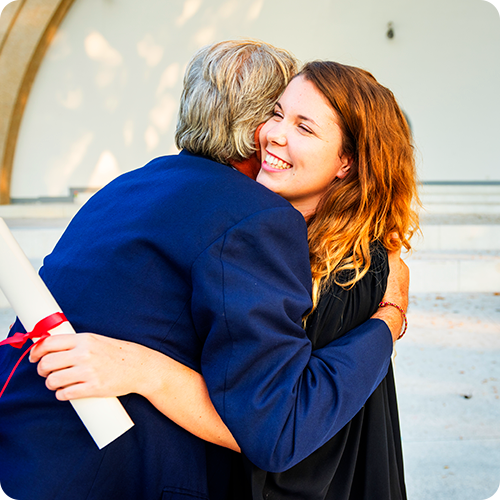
[{"x": 230, "y": 88}]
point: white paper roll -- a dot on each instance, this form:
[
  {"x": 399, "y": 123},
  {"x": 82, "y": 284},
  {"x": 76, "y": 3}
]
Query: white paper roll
[{"x": 104, "y": 418}]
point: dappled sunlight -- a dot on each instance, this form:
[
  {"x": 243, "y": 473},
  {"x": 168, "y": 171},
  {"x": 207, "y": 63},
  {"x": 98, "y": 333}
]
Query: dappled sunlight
[
  {"x": 152, "y": 138},
  {"x": 161, "y": 118},
  {"x": 173, "y": 150},
  {"x": 150, "y": 51},
  {"x": 163, "y": 113},
  {"x": 169, "y": 78},
  {"x": 111, "y": 103},
  {"x": 190, "y": 9},
  {"x": 205, "y": 36},
  {"x": 99, "y": 49},
  {"x": 61, "y": 169},
  {"x": 105, "y": 170},
  {"x": 241, "y": 15},
  {"x": 128, "y": 132},
  {"x": 60, "y": 46},
  {"x": 227, "y": 9},
  {"x": 254, "y": 10},
  {"x": 105, "y": 77},
  {"x": 117, "y": 91},
  {"x": 71, "y": 99}
]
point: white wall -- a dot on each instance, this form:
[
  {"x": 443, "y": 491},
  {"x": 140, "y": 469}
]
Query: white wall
[{"x": 105, "y": 98}]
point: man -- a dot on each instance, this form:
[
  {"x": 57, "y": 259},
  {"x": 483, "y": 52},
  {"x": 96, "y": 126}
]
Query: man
[{"x": 190, "y": 257}]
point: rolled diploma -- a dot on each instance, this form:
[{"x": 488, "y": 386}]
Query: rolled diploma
[{"x": 104, "y": 418}]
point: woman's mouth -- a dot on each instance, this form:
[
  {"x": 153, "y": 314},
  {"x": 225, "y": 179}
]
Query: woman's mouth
[{"x": 277, "y": 163}]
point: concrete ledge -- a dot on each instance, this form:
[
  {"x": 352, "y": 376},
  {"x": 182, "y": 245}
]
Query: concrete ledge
[
  {"x": 443, "y": 272},
  {"x": 461, "y": 198},
  {"x": 39, "y": 211},
  {"x": 458, "y": 237},
  {"x": 457, "y": 252}
]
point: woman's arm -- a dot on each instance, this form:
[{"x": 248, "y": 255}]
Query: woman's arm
[
  {"x": 397, "y": 291},
  {"x": 91, "y": 365}
]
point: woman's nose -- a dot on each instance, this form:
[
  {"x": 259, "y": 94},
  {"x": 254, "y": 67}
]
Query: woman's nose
[{"x": 277, "y": 134}]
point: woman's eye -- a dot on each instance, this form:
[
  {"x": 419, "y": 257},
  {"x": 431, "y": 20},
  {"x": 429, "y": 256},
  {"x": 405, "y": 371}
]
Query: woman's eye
[
  {"x": 305, "y": 129},
  {"x": 278, "y": 114}
]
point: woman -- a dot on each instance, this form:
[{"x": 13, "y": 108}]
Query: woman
[
  {"x": 366, "y": 196},
  {"x": 339, "y": 149}
]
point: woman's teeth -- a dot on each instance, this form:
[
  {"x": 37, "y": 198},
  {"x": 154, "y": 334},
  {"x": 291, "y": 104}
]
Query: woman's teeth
[{"x": 276, "y": 162}]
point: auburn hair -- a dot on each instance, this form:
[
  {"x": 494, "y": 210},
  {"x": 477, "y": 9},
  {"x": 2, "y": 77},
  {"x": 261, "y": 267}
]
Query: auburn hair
[{"x": 379, "y": 195}]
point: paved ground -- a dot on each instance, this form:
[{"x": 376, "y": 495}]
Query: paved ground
[{"x": 448, "y": 377}]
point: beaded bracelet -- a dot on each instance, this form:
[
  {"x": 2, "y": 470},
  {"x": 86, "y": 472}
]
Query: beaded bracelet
[{"x": 383, "y": 304}]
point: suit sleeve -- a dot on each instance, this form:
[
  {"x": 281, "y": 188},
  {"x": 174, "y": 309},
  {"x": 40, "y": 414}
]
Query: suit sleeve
[{"x": 280, "y": 400}]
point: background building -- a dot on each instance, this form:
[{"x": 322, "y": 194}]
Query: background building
[{"x": 104, "y": 95}]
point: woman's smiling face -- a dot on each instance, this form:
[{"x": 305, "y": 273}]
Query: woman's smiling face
[{"x": 301, "y": 147}]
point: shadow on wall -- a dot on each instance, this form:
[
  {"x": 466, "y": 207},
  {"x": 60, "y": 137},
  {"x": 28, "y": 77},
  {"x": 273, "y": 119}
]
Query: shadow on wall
[{"x": 107, "y": 96}]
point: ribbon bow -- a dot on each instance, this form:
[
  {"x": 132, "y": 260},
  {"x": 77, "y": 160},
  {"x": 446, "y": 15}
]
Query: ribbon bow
[{"x": 40, "y": 332}]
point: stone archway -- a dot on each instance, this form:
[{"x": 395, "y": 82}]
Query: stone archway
[{"x": 26, "y": 29}]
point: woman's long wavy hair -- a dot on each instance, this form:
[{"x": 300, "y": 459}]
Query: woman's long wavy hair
[{"x": 379, "y": 195}]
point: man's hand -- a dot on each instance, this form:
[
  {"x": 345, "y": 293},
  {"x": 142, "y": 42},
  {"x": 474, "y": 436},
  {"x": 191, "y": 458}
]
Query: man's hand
[{"x": 397, "y": 292}]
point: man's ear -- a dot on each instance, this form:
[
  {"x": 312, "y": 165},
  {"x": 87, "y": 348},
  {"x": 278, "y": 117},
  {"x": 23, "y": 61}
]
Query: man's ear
[
  {"x": 256, "y": 140},
  {"x": 344, "y": 170}
]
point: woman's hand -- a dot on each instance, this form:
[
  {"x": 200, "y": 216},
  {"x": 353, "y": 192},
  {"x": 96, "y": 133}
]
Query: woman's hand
[
  {"x": 396, "y": 292},
  {"x": 89, "y": 365},
  {"x": 398, "y": 282}
]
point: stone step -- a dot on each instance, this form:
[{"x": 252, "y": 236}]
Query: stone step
[
  {"x": 461, "y": 198},
  {"x": 431, "y": 272},
  {"x": 38, "y": 240},
  {"x": 455, "y": 253},
  {"x": 458, "y": 237},
  {"x": 23, "y": 211},
  {"x": 445, "y": 271}
]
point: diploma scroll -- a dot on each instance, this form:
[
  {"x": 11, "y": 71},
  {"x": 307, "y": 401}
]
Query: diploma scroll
[{"x": 104, "y": 418}]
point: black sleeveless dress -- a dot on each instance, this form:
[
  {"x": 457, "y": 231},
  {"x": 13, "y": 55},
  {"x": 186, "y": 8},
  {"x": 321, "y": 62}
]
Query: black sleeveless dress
[{"x": 363, "y": 461}]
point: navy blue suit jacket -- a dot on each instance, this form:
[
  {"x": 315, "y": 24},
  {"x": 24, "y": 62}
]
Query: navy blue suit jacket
[{"x": 193, "y": 259}]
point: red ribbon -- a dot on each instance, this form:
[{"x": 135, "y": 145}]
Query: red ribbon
[
  {"x": 41, "y": 329},
  {"x": 40, "y": 332}
]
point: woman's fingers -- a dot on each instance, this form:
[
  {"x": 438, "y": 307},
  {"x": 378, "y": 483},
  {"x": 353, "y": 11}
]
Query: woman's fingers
[
  {"x": 88, "y": 365},
  {"x": 67, "y": 360},
  {"x": 55, "y": 361},
  {"x": 74, "y": 383},
  {"x": 64, "y": 378},
  {"x": 75, "y": 391},
  {"x": 54, "y": 343}
]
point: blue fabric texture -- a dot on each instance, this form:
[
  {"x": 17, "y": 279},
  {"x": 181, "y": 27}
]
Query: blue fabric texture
[{"x": 195, "y": 260}]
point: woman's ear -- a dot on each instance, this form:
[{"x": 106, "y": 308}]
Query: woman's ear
[{"x": 344, "y": 170}]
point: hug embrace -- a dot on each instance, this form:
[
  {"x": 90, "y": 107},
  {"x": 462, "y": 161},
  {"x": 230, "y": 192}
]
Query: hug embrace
[{"x": 244, "y": 297}]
